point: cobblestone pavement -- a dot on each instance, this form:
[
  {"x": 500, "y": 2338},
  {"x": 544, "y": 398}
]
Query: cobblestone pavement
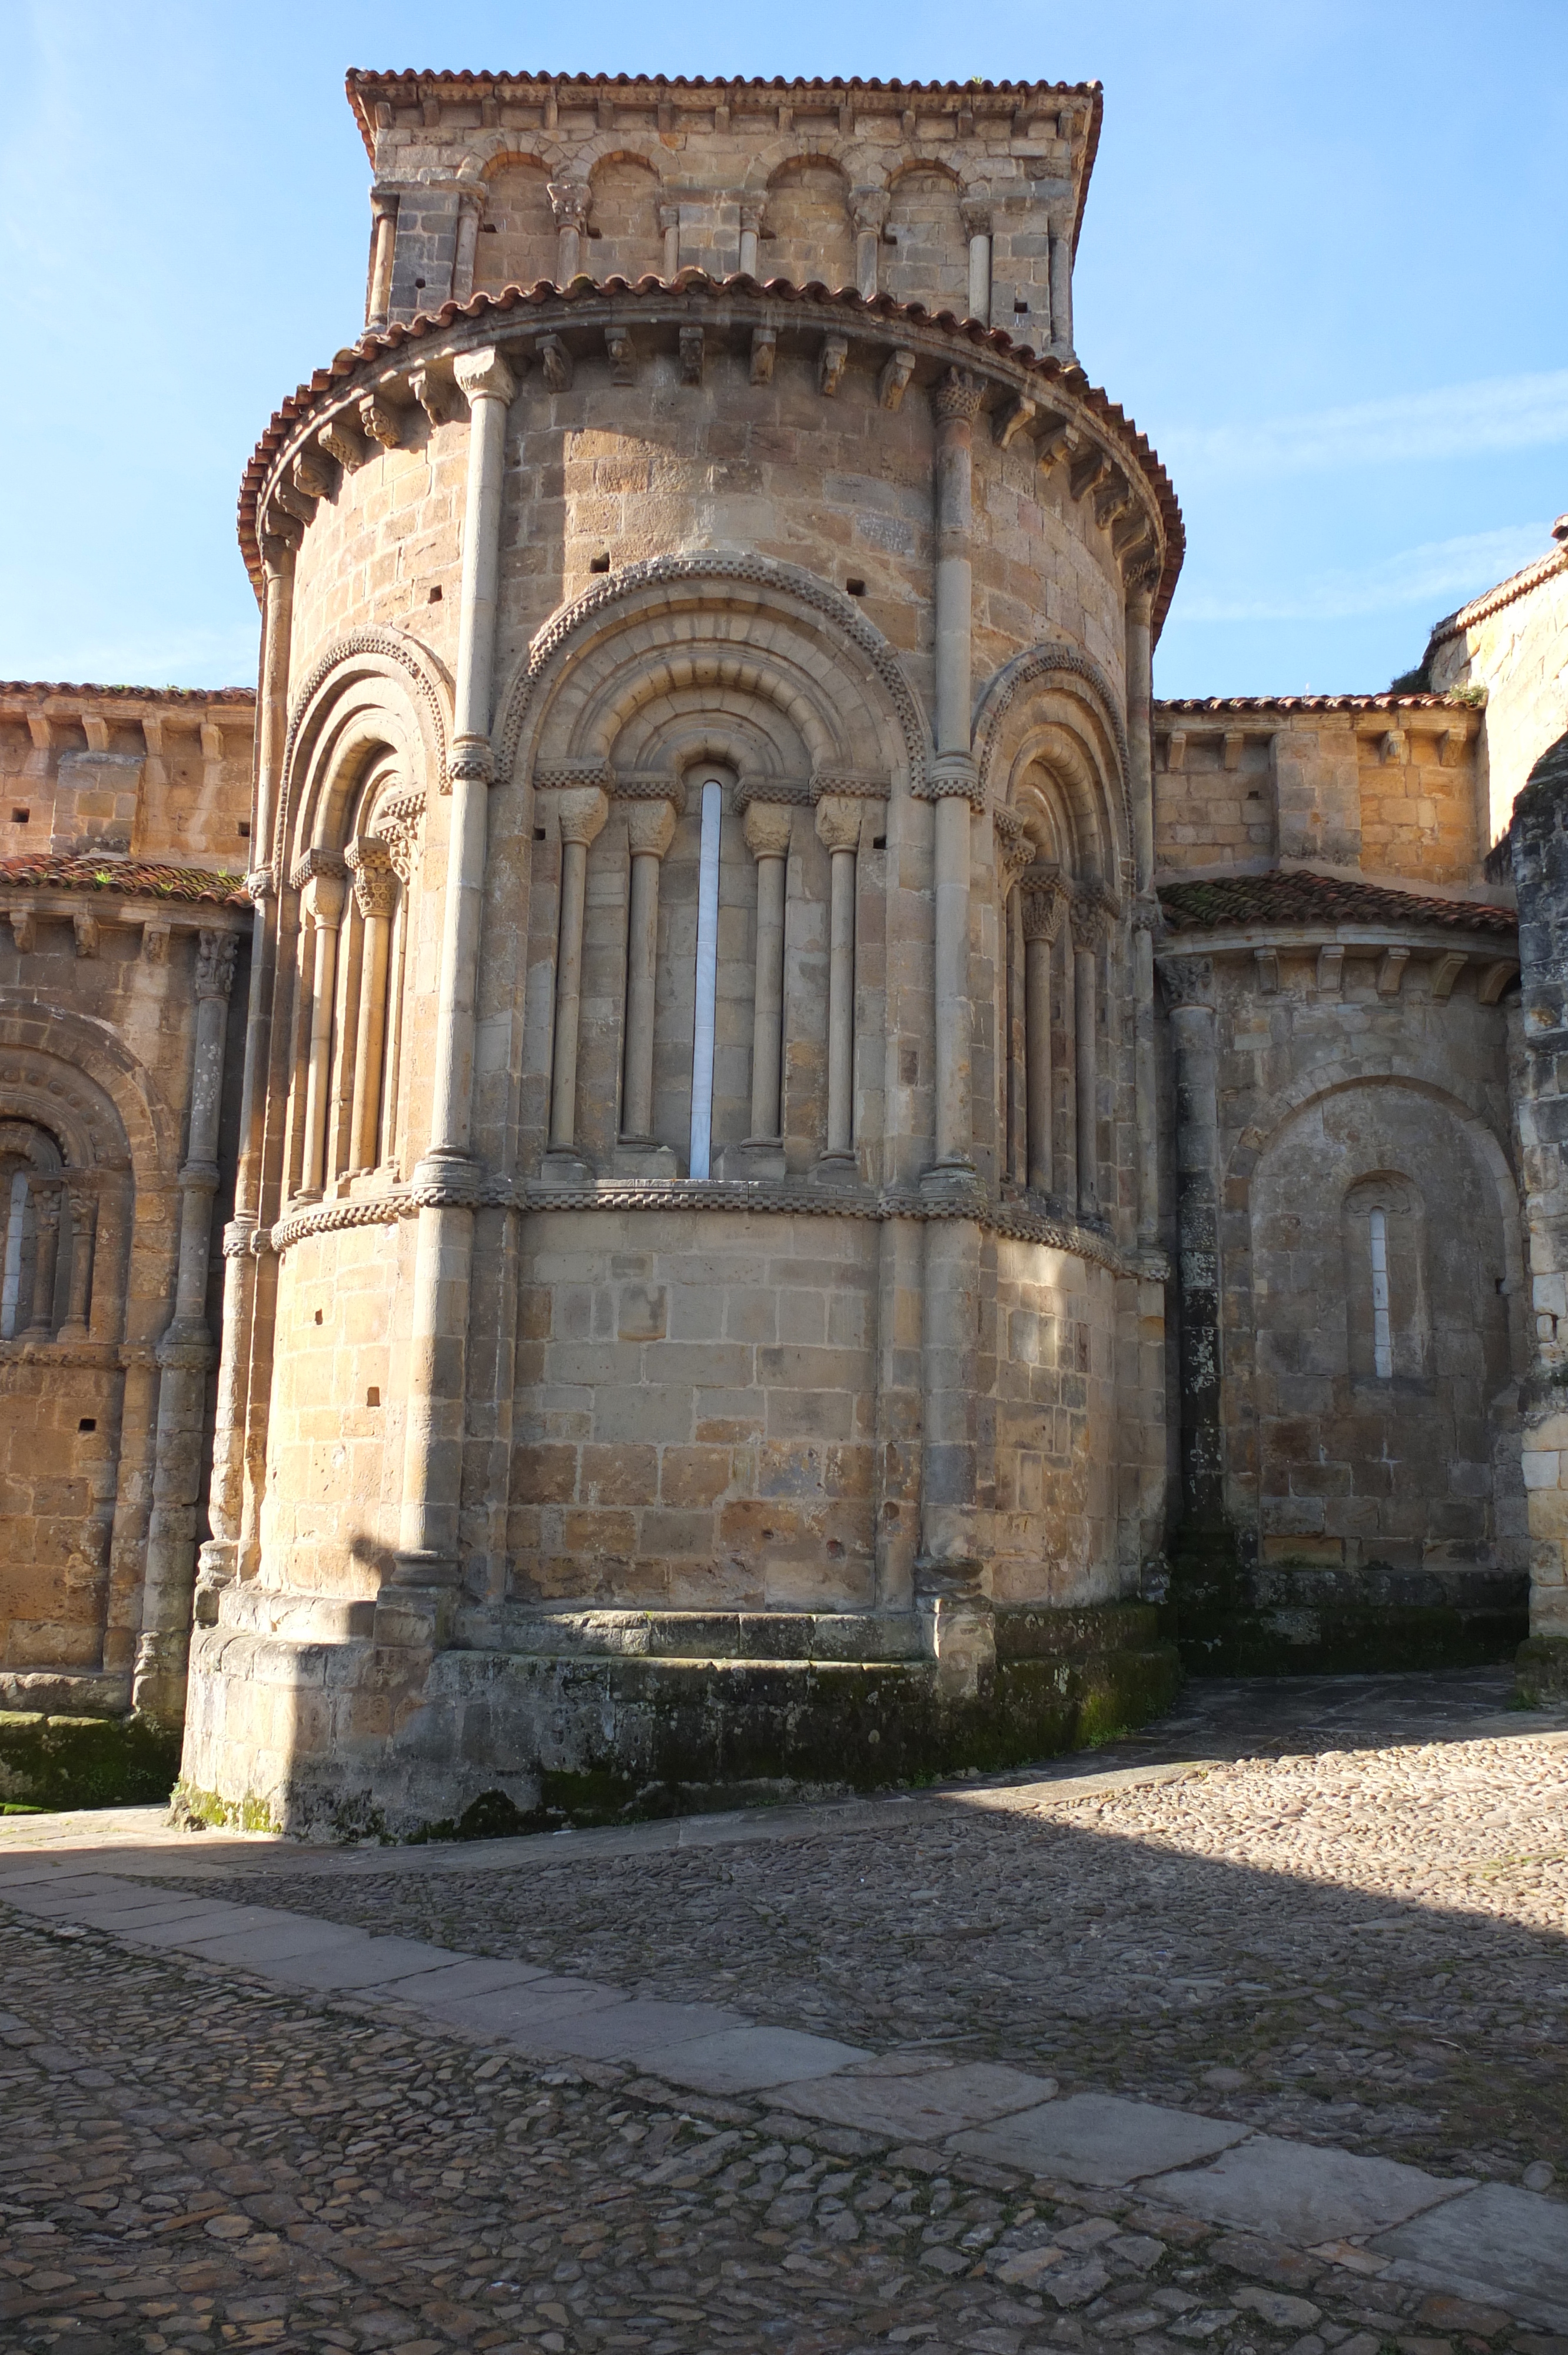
[{"x": 1362, "y": 1944}]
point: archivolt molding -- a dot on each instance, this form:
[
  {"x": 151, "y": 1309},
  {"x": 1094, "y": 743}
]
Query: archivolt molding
[
  {"x": 346, "y": 660},
  {"x": 1435, "y": 1079},
  {"x": 54, "y": 1063},
  {"x": 1042, "y": 663},
  {"x": 789, "y": 581}
]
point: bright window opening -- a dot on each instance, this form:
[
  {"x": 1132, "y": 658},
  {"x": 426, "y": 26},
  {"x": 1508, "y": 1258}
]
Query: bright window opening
[{"x": 1383, "y": 1335}]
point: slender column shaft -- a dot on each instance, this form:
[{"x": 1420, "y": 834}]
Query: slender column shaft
[
  {"x": 582, "y": 816},
  {"x": 979, "y": 275},
  {"x": 462, "y": 259},
  {"x": 1062, "y": 293},
  {"x": 955, "y": 401},
  {"x": 570, "y": 201},
  {"x": 1064, "y": 1087},
  {"x": 185, "y": 1354},
  {"x": 1037, "y": 952},
  {"x": 767, "y": 829},
  {"x": 443, "y": 1251},
  {"x": 244, "y": 1389},
  {"x": 46, "y": 1258},
  {"x": 83, "y": 1222},
  {"x": 870, "y": 212},
  {"x": 751, "y": 227},
  {"x": 1145, "y": 1107},
  {"x": 1188, "y": 985},
  {"x": 838, "y": 828},
  {"x": 1085, "y": 1062},
  {"x": 1015, "y": 1106},
  {"x": 325, "y": 894},
  {"x": 651, "y": 827},
  {"x": 670, "y": 229},
  {"x": 375, "y": 892},
  {"x": 384, "y": 238},
  {"x": 1140, "y": 714}
]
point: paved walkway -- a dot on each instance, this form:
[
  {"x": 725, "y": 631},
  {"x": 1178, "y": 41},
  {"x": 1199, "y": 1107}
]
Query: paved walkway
[{"x": 380, "y": 2109}]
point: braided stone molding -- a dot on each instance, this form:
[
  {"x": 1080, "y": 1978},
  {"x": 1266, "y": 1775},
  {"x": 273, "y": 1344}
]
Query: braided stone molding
[
  {"x": 851, "y": 783},
  {"x": 1015, "y": 1219},
  {"x": 561, "y": 775},
  {"x": 954, "y": 774},
  {"x": 786, "y": 793},
  {"x": 391, "y": 648},
  {"x": 105, "y": 1356},
  {"x": 1039, "y": 662},
  {"x": 761, "y": 571},
  {"x": 259, "y": 884},
  {"x": 651, "y": 789},
  {"x": 237, "y": 1237}
]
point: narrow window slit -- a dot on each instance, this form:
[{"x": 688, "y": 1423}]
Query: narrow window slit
[{"x": 1383, "y": 1335}]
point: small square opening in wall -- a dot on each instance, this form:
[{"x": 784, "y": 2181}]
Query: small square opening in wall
[
  {"x": 373, "y": 1396},
  {"x": 879, "y": 842},
  {"x": 538, "y": 834},
  {"x": 855, "y": 588},
  {"x": 244, "y": 829},
  {"x": 87, "y": 1422},
  {"x": 434, "y": 597},
  {"x": 318, "y": 1315},
  {"x": 599, "y": 563},
  {"x": 20, "y": 816}
]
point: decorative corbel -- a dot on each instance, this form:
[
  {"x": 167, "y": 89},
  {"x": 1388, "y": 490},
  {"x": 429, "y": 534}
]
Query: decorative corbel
[
  {"x": 1495, "y": 979},
  {"x": 1330, "y": 969},
  {"x": 764, "y": 348},
  {"x": 24, "y": 929},
  {"x": 1391, "y": 970},
  {"x": 1089, "y": 473},
  {"x": 691, "y": 356},
  {"x": 623, "y": 354},
  {"x": 556, "y": 361},
  {"x": 311, "y": 472},
  {"x": 1011, "y": 419},
  {"x": 892, "y": 383},
  {"x": 379, "y": 421},
  {"x": 339, "y": 440},
  {"x": 831, "y": 364},
  {"x": 1446, "y": 972}
]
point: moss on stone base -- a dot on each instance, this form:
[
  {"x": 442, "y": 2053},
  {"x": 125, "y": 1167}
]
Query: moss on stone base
[
  {"x": 85, "y": 1762},
  {"x": 1541, "y": 1666},
  {"x": 687, "y": 1735},
  {"x": 1301, "y": 1618}
]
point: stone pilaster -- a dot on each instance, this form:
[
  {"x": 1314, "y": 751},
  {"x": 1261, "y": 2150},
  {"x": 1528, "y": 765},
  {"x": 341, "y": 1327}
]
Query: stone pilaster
[
  {"x": 649, "y": 830},
  {"x": 1188, "y": 983}
]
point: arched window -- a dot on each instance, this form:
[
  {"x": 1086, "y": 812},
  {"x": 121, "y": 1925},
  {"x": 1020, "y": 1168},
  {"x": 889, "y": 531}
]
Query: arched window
[{"x": 1388, "y": 1324}]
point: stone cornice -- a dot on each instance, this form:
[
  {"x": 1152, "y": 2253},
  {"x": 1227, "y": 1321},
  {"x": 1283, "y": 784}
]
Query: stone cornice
[{"x": 735, "y": 305}]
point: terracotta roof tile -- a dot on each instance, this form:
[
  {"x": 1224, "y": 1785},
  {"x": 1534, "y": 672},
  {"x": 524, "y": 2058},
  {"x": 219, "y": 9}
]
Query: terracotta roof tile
[
  {"x": 383, "y": 343},
  {"x": 128, "y": 878},
  {"x": 1188, "y": 707},
  {"x": 37, "y": 687},
  {"x": 1303, "y": 898}
]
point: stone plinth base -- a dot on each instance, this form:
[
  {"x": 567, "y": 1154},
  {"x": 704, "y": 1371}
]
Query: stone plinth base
[
  {"x": 342, "y": 1741},
  {"x": 1303, "y": 1618},
  {"x": 1540, "y": 1665}
]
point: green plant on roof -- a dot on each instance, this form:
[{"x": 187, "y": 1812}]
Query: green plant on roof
[{"x": 101, "y": 875}]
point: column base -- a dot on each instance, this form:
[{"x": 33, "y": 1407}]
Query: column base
[
  {"x": 644, "y": 1157},
  {"x": 758, "y": 1159},
  {"x": 564, "y": 1168},
  {"x": 217, "y": 1566},
  {"x": 836, "y": 1173},
  {"x": 951, "y": 1181}
]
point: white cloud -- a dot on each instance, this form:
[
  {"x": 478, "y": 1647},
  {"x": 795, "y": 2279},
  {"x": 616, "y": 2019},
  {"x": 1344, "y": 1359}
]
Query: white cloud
[
  {"x": 1505, "y": 412},
  {"x": 1443, "y": 574}
]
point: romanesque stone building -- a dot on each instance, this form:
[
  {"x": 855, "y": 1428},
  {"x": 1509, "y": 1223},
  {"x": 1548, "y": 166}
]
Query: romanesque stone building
[
  {"x": 819, "y": 1179},
  {"x": 124, "y": 823}
]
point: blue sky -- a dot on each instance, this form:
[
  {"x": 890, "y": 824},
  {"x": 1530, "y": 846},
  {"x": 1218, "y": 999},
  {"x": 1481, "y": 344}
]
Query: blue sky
[{"x": 1322, "y": 266}]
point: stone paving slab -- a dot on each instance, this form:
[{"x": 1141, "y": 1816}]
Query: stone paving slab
[
  {"x": 922, "y": 2108},
  {"x": 461, "y": 1979},
  {"x": 260, "y": 1944},
  {"x": 751, "y": 2059},
  {"x": 1504, "y": 2247},
  {"x": 626, "y": 2031},
  {"x": 516, "y": 2011},
  {"x": 1099, "y": 2138},
  {"x": 1300, "y": 2192},
  {"x": 366, "y": 1963}
]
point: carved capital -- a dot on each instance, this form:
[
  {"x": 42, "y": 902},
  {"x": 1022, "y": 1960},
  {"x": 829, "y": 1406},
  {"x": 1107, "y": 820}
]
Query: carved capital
[
  {"x": 369, "y": 862},
  {"x": 214, "y": 964},
  {"x": 956, "y": 398},
  {"x": 472, "y": 762},
  {"x": 47, "y": 1195},
  {"x": 975, "y": 214},
  {"x": 952, "y": 773},
  {"x": 670, "y": 219},
  {"x": 484, "y": 375},
  {"x": 751, "y": 220},
  {"x": 1187, "y": 981},
  {"x": 649, "y": 828},
  {"x": 868, "y": 209},
  {"x": 260, "y": 885},
  {"x": 1042, "y": 902},
  {"x": 1091, "y": 924},
  {"x": 1013, "y": 847},
  {"x": 570, "y": 201},
  {"x": 768, "y": 826},
  {"x": 582, "y": 814},
  {"x": 838, "y": 821}
]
